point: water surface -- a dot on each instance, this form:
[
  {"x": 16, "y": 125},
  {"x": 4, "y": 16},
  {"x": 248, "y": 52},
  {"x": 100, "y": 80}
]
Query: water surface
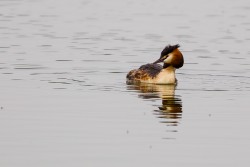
[{"x": 64, "y": 100}]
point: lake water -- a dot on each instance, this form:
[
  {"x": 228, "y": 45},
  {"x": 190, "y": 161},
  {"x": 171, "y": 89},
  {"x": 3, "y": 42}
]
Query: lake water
[{"x": 64, "y": 100}]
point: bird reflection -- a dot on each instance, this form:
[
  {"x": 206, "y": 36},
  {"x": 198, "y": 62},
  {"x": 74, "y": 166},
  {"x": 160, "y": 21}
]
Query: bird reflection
[{"x": 170, "y": 111}]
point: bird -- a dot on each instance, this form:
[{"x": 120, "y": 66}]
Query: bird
[{"x": 154, "y": 73}]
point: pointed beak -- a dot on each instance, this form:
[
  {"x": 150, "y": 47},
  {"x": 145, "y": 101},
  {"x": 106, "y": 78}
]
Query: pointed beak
[
  {"x": 161, "y": 59},
  {"x": 157, "y": 61}
]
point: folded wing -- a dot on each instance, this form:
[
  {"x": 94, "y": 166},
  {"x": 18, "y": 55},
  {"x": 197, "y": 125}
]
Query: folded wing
[{"x": 145, "y": 72}]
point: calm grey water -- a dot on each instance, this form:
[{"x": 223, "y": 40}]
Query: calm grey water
[{"x": 64, "y": 100}]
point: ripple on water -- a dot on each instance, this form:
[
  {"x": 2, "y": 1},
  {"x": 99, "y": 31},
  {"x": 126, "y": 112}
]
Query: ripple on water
[
  {"x": 184, "y": 36},
  {"x": 212, "y": 81},
  {"x": 103, "y": 60},
  {"x": 200, "y": 51},
  {"x": 28, "y": 66},
  {"x": 62, "y": 60}
]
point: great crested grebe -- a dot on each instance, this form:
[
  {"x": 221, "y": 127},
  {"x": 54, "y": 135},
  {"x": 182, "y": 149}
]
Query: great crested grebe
[{"x": 156, "y": 74}]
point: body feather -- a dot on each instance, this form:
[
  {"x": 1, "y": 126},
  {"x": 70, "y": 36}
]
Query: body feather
[
  {"x": 145, "y": 72},
  {"x": 154, "y": 73}
]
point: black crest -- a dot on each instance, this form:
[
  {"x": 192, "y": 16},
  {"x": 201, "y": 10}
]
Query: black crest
[{"x": 168, "y": 49}]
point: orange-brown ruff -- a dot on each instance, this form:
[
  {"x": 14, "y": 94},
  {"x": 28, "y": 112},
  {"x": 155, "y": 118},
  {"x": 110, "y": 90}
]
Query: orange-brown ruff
[{"x": 157, "y": 74}]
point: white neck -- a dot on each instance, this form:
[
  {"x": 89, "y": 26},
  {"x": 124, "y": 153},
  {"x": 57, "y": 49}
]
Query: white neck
[{"x": 166, "y": 76}]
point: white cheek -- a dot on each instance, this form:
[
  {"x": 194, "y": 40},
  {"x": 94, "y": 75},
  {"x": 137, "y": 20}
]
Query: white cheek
[{"x": 169, "y": 59}]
